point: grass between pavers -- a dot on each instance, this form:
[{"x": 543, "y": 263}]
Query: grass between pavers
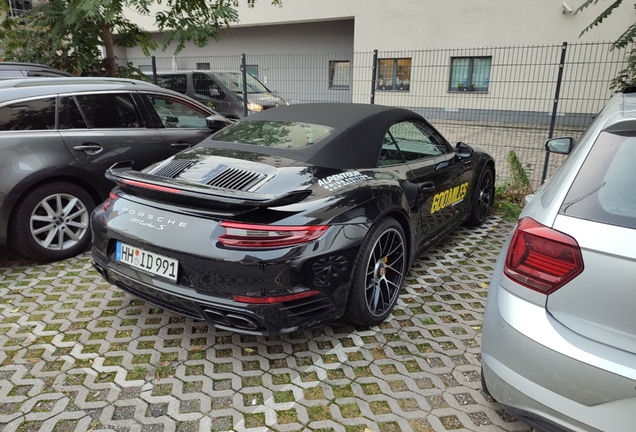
[{"x": 402, "y": 339}]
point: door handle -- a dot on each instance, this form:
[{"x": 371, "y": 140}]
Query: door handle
[
  {"x": 426, "y": 189},
  {"x": 89, "y": 148},
  {"x": 427, "y": 186},
  {"x": 180, "y": 145}
]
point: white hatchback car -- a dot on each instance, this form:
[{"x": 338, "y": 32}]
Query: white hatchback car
[{"x": 559, "y": 333}]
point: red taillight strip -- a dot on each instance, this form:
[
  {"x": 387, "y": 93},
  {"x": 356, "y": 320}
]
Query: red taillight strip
[
  {"x": 275, "y": 299},
  {"x": 258, "y": 227},
  {"x": 245, "y": 235},
  {"x": 150, "y": 186},
  {"x": 109, "y": 201},
  {"x": 541, "y": 258}
]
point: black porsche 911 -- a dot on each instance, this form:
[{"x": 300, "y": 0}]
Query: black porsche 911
[{"x": 291, "y": 217}]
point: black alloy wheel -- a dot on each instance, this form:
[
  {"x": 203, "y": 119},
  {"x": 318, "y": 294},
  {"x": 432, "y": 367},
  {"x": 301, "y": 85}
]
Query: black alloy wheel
[
  {"x": 379, "y": 272},
  {"x": 484, "y": 196}
]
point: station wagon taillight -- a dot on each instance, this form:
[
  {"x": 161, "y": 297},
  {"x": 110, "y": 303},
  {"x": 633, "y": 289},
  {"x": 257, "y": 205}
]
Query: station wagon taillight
[
  {"x": 541, "y": 258},
  {"x": 244, "y": 235}
]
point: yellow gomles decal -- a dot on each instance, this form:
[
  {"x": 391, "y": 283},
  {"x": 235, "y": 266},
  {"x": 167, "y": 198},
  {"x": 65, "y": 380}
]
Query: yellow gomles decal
[{"x": 449, "y": 197}]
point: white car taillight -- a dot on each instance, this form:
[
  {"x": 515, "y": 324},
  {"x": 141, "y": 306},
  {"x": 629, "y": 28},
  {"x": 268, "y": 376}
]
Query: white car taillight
[{"x": 541, "y": 258}]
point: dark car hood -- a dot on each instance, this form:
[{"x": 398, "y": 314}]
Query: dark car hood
[{"x": 266, "y": 99}]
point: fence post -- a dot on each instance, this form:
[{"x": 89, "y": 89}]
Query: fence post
[
  {"x": 244, "y": 78},
  {"x": 373, "y": 71},
  {"x": 154, "y": 70},
  {"x": 557, "y": 93}
]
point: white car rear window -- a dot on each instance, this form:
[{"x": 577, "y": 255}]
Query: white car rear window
[{"x": 605, "y": 188}]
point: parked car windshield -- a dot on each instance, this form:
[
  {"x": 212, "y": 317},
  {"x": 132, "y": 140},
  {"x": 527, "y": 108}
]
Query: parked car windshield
[
  {"x": 278, "y": 134},
  {"x": 233, "y": 81},
  {"x": 603, "y": 190}
]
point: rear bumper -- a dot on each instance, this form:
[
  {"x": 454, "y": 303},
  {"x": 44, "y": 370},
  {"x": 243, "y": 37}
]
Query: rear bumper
[
  {"x": 220, "y": 312},
  {"x": 549, "y": 376},
  {"x": 209, "y": 275}
]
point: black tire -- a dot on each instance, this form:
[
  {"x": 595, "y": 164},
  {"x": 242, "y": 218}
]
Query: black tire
[
  {"x": 378, "y": 274},
  {"x": 484, "y": 196},
  {"x": 55, "y": 214}
]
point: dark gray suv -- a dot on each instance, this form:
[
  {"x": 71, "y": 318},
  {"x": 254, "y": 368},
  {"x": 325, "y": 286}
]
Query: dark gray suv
[
  {"x": 221, "y": 90},
  {"x": 59, "y": 135}
]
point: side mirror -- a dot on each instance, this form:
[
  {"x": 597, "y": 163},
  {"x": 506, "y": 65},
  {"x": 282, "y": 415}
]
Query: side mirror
[
  {"x": 215, "y": 93},
  {"x": 463, "y": 150},
  {"x": 216, "y": 122},
  {"x": 562, "y": 145}
]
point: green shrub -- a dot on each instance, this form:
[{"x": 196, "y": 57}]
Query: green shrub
[{"x": 510, "y": 196}]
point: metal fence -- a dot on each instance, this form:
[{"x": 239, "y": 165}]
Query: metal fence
[{"x": 504, "y": 98}]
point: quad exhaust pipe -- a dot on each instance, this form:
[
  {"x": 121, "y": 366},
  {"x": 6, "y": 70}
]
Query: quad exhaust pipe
[{"x": 232, "y": 319}]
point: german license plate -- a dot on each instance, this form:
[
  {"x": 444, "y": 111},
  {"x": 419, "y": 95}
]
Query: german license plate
[{"x": 149, "y": 261}]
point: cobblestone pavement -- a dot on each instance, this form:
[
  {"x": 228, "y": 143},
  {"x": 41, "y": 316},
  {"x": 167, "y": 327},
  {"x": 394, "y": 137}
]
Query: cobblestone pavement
[{"x": 79, "y": 354}]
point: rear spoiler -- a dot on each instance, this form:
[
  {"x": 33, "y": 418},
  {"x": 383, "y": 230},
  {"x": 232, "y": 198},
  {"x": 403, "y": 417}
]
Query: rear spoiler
[{"x": 179, "y": 191}]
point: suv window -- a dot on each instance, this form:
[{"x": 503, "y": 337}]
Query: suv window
[
  {"x": 234, "y": 82},
  {"x": 174, "y": 113},
  {"x": 176, "y": 82},
  {"x": 110, "y": 111},
  {"x": 203, "y": 83},
  {"x": 30, "y": 115},
  {"x": 70, "y": 115},
  {"x": 603, "y": 190}
]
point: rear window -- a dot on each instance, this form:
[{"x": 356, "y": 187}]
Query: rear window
[
  {"x": 30, "y": 115},
  {"x": 603, "y": 190},
  {"x": 277, "y": 134}
]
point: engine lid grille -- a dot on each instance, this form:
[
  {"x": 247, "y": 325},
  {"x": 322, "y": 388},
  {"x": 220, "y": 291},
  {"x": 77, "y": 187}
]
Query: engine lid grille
[
  {"x": 236, "y": 178},
  {"x": 173, "y": 168}
]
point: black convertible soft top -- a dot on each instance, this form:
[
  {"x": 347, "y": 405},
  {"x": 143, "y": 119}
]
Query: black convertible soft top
[{"x": 355, "y": 143}]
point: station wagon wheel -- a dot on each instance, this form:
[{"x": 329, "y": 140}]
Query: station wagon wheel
[
  {"x": 379, "y": 271},
  {"x": 484, "y": 196},
  {"x": 52, "y": 222}
]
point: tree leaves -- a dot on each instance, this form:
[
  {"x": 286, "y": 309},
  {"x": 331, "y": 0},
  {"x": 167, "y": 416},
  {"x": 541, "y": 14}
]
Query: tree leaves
[
  {"x": 69, "y": 34},
  {"x": 626, "y": 38},
  {"x": 627, "y": 76},
  {"x": 599, "y": 19}
]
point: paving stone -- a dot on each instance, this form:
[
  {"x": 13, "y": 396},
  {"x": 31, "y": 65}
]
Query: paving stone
[{"x": 77, "y": 353}]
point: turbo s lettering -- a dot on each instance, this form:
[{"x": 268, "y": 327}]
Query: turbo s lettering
[{"x": 449, "y": 197}]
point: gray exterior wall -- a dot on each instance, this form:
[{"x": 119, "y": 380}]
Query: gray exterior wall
[{"x": 303, "y": 38}]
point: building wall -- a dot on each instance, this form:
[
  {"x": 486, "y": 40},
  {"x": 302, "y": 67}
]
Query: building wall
[
  {"x": 311, "y": 37},
  {"x": 297, "y": 69},
  {"x": 292, "y": 46},
  {"x": 426, "y": 24}
]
